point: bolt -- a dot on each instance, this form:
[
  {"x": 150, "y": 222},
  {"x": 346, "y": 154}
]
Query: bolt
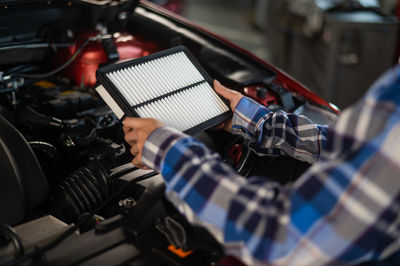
[
  {"x": 127, "y": 203},
  {"x": 14, "y": 100},
  {"x": 123, "y": 15},
  {"x": 69, "y": 142}
]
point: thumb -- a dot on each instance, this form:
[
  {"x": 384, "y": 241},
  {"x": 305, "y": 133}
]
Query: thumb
[
  {"x": 232, "y": 96},
  {"x": 224, "y": 91}
]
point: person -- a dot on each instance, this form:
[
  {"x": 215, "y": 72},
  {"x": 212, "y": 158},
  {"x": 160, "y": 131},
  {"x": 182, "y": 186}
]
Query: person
[{"x": 344, "y": 209}]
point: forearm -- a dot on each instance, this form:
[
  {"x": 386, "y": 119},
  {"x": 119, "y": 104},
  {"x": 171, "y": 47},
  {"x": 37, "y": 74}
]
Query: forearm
[
  {"x": 189, "y": 168},
  {"x": 216, "y": 194},
  {"x": 278, "y": 133},
  {"x": 256, "y": 219}
]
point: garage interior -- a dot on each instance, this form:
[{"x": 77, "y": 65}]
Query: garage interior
[{"x": 336, "y": 48}]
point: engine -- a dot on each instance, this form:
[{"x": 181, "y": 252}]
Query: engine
[{"x": 75, "y": 137}]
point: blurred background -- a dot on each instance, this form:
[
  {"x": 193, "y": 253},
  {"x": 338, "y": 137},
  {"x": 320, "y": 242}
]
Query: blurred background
[{"x": 337, "y": 48}]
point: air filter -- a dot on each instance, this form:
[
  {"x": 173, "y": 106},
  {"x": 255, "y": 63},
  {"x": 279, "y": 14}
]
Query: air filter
[{"x": 170, "y": 86}]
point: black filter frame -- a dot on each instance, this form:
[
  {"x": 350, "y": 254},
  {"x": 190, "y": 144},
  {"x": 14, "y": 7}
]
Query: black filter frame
[{"x": 129, "y": 110}]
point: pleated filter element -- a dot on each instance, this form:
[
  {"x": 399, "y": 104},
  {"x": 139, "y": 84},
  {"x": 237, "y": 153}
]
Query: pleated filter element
[{"x": 170, "y": 86}]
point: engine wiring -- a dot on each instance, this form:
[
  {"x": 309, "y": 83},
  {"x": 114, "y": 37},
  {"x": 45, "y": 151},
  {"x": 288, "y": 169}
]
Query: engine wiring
[
  {"x": 58, "y": 69},
  {"x": 63, "y": 66},
  {"x": 72, "y": 229}
]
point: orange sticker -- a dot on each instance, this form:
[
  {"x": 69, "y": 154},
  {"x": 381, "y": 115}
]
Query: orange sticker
[{"x": 179, "y": 252}]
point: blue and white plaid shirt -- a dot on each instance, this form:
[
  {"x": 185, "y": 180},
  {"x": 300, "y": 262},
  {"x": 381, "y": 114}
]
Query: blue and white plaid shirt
[{"x": 344, "y": 209}]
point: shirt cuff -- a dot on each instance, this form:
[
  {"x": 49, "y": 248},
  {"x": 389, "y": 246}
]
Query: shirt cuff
[
  {"x": 157, "y": 144},
  {"x": 247, "y": 113}
]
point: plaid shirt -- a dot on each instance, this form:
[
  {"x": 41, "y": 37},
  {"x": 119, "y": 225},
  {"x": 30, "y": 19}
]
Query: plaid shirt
[{"x": 344, "y": 209}]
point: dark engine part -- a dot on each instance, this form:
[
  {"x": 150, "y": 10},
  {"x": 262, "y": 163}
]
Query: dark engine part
[
  {"x": 94, "y": 134},
  {"x": 82, "y": 191},
  {"x": 81, "y": 147},
  {"x": 76, "y": 139},
  {"x": 60, "y": 100},
  {"x": 22, "y": 183},
  {"x": 62, "y": 103}
]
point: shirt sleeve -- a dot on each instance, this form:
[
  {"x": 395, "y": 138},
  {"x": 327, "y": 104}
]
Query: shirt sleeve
[
  {"x": 343, "y": 209},
  {"x": 278, "y": 133}
]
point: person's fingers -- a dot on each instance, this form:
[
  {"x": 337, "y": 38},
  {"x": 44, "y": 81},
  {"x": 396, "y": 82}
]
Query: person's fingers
[
  {"x": 134, "y": 150},
  {"x": 131, "y": 137},
  {"x": 126, "y": 128},
  {"x": 219, "y": 126},
  {"x": 133, "y": 123},
  {"x": 223, "y": 91},
  {"x": 232, "y": 96},
  {"x": 137, "y": 161},
  {"x": 136, "y": 131},
  {"x": 228, "y": 125}
]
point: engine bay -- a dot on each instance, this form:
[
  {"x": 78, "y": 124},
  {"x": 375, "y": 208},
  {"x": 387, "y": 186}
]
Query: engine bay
[{"x": 79, "y": 171}]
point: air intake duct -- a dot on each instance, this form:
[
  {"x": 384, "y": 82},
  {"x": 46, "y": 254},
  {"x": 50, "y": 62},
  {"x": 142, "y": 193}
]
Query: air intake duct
[{"x": 82, "y": 191}]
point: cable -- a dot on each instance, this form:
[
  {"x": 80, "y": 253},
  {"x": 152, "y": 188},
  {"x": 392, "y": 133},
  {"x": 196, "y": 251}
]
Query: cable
[
  {"x": 71, "y": 230},
  {"x": 9, "y": 233},
  {"x": 123, "y": 172},
  {"x": 25, "y": 46},
  {"x": 47, "y": 148},
  {"x": 69, "y": 61},
  {"x": 20, "y": 68}
]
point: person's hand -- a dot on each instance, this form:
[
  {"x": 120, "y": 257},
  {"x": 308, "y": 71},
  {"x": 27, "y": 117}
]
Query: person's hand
[
  {"x": 136, "y": 131},
  {"x": 233, "y": 97}
]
